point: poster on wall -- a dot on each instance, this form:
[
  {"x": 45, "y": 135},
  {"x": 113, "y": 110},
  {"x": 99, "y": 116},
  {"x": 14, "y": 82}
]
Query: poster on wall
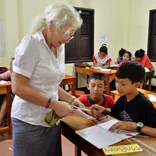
[
  {"x": 102, "y": 37},
  {"x": 1, "y": 39}
]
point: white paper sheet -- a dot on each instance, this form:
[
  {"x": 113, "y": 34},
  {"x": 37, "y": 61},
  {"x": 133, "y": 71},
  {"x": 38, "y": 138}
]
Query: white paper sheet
[
  {"x": 152, "y": 97},
  {"x": 3, "y": 82},
  {"x": 114, "y": 65},
  {"x": 79, "y": 112},
  {"x": 99, "y": 135},
  {"x": 106, "y": 70}
]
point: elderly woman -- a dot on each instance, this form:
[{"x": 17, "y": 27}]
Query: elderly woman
[{"x": 38, "y": 69}]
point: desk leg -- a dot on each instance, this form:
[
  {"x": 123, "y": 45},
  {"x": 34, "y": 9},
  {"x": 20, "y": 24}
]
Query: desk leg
[
  {"x": 76, "y": 80},
  {"x": 74, "y": 86},
  {"x": 108, "y": 85},
  {"x": 144, "y": 84},
  {"x": 77, "y": 151}
]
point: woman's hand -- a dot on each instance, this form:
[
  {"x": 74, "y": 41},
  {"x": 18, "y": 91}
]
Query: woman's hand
[
  {"x": 61, "y": 108},
  {"x": 123, "y": 125}
]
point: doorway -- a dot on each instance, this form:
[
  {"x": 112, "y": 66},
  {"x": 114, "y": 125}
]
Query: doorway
[
  {"x": 81, "y": 48},
  {"x": 152, "y": 36}
]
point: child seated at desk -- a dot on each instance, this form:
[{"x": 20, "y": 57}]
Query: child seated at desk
[
  {"x": 125, "y": 58},
  {"x": 3, "y": 103},
  {"x": 96, "y": 85},
  {"x": 142, "y": 58},
  {"x": 120, "y": 55},
  {"x": 102, "y": 59},
  {"x": 135, "y": 111}
]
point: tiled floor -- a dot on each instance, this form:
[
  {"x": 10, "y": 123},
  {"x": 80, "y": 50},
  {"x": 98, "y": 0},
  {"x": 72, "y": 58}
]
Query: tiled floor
[{"x": 67, "y": 148}]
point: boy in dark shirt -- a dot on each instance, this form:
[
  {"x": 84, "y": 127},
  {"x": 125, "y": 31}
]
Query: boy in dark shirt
[{"x": 132, "y": 108}]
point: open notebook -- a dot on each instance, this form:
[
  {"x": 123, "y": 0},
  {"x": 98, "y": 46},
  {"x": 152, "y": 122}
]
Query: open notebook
[{"x": 99, "y": 135}]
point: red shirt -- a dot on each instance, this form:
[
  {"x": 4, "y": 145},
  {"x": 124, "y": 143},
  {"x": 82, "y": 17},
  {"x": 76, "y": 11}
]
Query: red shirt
[
  {"x": 108, "y": 102},
  {"x": 145, "y": 61}
]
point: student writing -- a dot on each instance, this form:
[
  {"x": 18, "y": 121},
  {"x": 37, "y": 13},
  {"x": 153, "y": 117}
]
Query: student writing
[{"x": 134, "y": 111}]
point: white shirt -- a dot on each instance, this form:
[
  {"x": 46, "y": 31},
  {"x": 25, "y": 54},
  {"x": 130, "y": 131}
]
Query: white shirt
[
  {"x": 100, "y": 62},
  {"x": 34, "y": 59}
]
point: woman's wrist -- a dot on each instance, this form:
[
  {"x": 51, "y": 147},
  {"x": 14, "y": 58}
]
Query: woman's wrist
[
  {"x": 48, "y": 103},
  {"x": 72, "y": 98}
]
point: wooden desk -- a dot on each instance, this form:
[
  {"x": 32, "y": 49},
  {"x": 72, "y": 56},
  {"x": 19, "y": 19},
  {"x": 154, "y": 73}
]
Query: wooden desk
[
  {"x": 69, "y": 80},
  {"x": 75, "y": 122},
  {"x": 108, "y": 75},
  {"x": 116, "y": 95}
]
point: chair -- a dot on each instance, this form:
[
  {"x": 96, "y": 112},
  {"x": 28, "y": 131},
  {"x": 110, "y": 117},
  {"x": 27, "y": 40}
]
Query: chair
[
  {"x": 6, "y": 89},
  {"x": 77, "y": 93},
  {"x": 150, "y": 80},
  {"x": 70, "y": 81}
]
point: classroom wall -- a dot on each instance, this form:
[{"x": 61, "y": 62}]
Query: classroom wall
[
  {"x": 105, "y": 24},
  {"x": 137, "y": 34},
  {"x": 124, "y": 21},
  {"x": 9, "y": 16}
]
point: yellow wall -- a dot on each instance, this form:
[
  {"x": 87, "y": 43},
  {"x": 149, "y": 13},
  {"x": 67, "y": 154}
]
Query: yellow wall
[
  {"x": 125, "y": 22},
  {"x": 9, "y": 15}
]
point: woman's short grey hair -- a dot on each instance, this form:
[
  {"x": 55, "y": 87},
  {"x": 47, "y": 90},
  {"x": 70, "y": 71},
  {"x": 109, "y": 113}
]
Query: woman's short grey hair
[{"x": 57, "y": 14}]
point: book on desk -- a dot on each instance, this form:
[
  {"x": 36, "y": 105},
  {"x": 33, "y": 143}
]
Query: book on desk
[{"x": 99, "y": 135}]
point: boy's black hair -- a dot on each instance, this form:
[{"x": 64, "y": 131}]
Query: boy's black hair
[
  {"x": 104, "y": 49},
  {"x": 98, "y": 76},
  {"x": 139, "y": 53},
  {"x": 134, "y": 71},
  {"x": 121, "y": 52}
]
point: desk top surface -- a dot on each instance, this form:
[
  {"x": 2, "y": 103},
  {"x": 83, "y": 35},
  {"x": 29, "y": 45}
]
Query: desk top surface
[
  {"x": 90, "y": 69},
  {"x": 69, "y": 77},
  {"x": 77, "y": 122},
  {"x": 145, "y": 92},
  {"x": 5, "y": 84}
]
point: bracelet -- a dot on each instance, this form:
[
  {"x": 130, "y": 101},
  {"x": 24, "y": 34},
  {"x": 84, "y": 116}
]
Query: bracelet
[
  {"x": 72, "y": 99},
  {"x": 48, "y": 103}
]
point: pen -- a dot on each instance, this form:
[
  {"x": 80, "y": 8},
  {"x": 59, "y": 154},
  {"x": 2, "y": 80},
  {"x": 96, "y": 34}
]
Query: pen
[
  {"x": 139, "y": 135},
  {"x": 83, "y": 109},
  {"x": 128, "y": 134},
  {"x": 104, "y": 117},
  {"x": 142, "y": 136}
]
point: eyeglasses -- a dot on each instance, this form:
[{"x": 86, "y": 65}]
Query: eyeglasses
[{"x": 66, "y": 35}]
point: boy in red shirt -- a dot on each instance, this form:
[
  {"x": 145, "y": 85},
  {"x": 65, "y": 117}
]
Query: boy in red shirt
[{"x": 96, "y": 85}]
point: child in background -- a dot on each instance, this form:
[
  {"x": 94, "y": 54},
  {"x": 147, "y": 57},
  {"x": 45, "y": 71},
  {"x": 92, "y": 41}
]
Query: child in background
[
  {"x": 102, "y": 59},
  {"x": 142, "y": 58},
  {"x": 125, "y": 58},
  {"x": 3, "y": 103},
  {"x": 119, "y": 58},
  {"x": 134, "y": 110},
  {"x": 96, "y": 85}
]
